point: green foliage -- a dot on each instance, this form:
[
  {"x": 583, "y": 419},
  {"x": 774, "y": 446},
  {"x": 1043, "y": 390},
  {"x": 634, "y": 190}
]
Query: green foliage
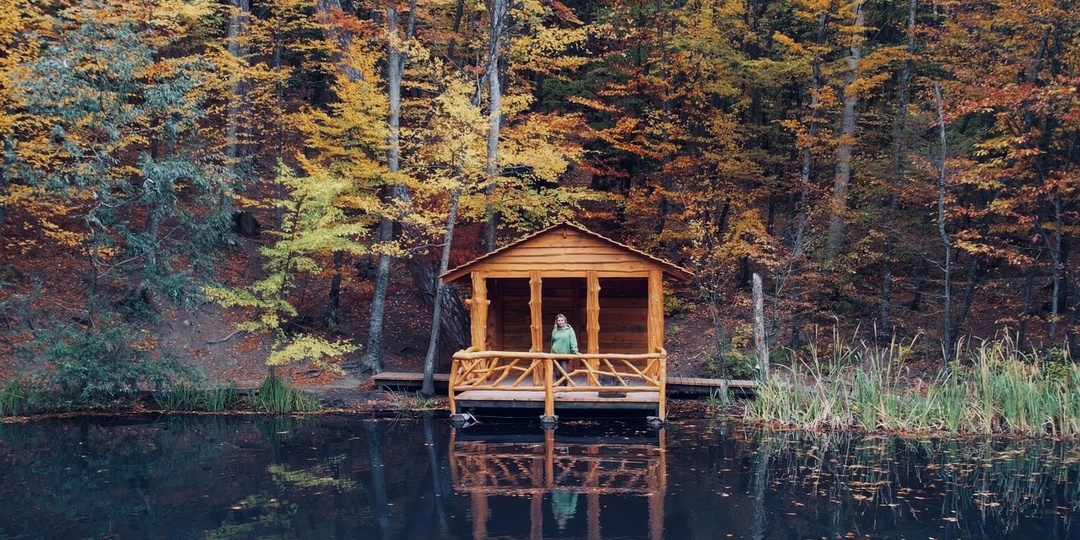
[
  {"x": 113, "y": 152},
  {"x": 316, "y": 226},
  {"x": 731, "y": 364},
  {"x": 186, "y": 397},
  {"x": 90, "y": 369},
  {"x": 677, "y": 124},
  {"x": 676, "y": 307},
  {"x": 276, "y": 395},
  {"x": 718, "y": 399},
  {"x": 135, "y": 304},
  {"x": 995, "y": 389},
  {"x": 14, "y": 397}
]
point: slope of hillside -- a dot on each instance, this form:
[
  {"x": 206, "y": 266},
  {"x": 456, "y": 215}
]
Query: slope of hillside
[{"x": 47, "y": 289}]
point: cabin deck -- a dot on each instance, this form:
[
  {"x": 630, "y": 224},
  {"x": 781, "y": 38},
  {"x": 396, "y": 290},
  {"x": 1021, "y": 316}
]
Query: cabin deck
[
  {"x": 507, "y": 379},
  {"x": 582, "y": 399},
  {"x": 676, "y": 386}
]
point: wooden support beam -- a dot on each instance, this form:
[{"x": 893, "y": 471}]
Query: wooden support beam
[
  {"x": 656, "y": 335},
  {"x": 536, "y": 314},
  {"x": 656, "y": 311},
  {"x": 549, "y": 391},
  {"x": 478, "y": 310},
  {"x": 592, "y": 325}
]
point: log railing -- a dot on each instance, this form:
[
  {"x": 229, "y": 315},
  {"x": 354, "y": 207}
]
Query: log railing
[
  {"x": 552, "y": 373},
  {"x": 522, "y": 469}
]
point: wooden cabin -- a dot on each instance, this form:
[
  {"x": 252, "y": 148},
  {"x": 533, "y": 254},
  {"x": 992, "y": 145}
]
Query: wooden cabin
[{"x": 611, "y": 294}]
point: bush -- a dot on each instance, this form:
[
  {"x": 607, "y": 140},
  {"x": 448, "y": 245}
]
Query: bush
[
  {"x": 97, "y": 368},
  {"x": 675, "y": 307},
  {"x": 731, "y": 364}
]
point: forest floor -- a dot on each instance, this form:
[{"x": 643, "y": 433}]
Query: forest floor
[{"x": 205, "y": 337}]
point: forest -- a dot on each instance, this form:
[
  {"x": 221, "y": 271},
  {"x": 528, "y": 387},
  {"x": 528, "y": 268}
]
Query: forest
[{"x": 891, "y": 168}]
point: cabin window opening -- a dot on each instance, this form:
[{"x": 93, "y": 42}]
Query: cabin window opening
[{"x": 624, "y": 315}]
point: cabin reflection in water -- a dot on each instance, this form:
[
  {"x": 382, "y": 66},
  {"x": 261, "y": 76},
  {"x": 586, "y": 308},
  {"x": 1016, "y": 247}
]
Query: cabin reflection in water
[{"x": 564, "y": 474}]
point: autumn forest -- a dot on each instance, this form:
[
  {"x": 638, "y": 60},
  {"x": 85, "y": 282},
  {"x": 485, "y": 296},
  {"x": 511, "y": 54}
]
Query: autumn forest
[{"x": 894, "y": 168}]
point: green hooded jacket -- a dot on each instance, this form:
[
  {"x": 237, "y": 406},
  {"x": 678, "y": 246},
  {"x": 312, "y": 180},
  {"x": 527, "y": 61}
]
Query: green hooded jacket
[{"x": 564, "y": 341}]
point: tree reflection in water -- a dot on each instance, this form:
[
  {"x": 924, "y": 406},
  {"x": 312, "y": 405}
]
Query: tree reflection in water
[{"x": 347, "y": 476}]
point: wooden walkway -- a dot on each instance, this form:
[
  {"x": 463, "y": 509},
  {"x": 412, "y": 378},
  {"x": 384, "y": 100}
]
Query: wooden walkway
[{"x": 676, "y": 386}]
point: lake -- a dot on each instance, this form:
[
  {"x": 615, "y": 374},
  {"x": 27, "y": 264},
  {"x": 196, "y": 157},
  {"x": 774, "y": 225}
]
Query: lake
[{"x": 356, "y": 476}]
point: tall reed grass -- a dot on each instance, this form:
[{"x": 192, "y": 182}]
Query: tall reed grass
[
  {"x": 188, "y": 398},
  {"x": 989, "y": 387},
  {"x": 276, "y": 395},
  {"x": 20, "y": 397},
  {"x": 411, "y": 401},
  {"x": 14, "y": 397}
]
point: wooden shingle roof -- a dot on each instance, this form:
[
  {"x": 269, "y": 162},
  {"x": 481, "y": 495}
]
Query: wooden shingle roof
[{"x": 565, "y": 246}]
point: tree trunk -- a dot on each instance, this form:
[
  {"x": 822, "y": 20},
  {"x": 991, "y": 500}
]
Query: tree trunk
[
  {"x": 842, "y": 179},
  {"x": 1072, "y": 284},
  {"x": 761, "y": 345},
  {"x": 969, "y": 294},
  {"x": 459, "y": 11},
  {"x": 897, "y": 176},
  {"x": 332, "y": 316},
  {"x": 947, "y": 324},
  {"x": 371, "y": 360},
  {"x": 279, "y": 134},
  {"x": 1057, "y": 269},
  {"x": 428, "y": 387},
  {"x": 238, "y": 29},
  {"x": 454, "y": 328},
  {"x": 339, "y": 35},
  {"x": 798, "y": 244},
  {"x": 1070, "y": 307},
  {"x": 1025, "y": 308},
  {"x": 498, "y": 12},
  {"x": 5, "y": 181}
]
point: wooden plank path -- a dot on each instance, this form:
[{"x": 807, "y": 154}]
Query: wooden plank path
[
  {"x": 698, "y": 386},
  {"x": 408, "y": 381},
  {"x": 676, "y": 386}
]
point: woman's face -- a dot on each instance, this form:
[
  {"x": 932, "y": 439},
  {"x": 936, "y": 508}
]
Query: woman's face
[{"x": 560, "y": 321}]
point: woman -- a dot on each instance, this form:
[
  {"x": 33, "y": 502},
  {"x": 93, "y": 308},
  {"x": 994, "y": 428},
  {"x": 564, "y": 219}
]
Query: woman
[{"x": 563, "y": 340}]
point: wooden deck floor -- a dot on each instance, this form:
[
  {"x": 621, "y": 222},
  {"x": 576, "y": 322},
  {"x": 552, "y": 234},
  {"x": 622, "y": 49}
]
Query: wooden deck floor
[
  {"x": 676, "y": 386},
  {"x": 532, "y": 399}
]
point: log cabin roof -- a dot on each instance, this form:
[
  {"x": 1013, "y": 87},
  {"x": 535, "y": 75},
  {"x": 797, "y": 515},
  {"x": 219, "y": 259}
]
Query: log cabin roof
[{"x": 621, "y": 254}]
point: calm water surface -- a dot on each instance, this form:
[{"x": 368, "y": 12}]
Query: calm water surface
[{"x": 345, "y": 476}]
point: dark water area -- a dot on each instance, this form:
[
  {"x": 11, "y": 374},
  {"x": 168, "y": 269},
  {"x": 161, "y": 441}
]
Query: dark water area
[{"x": 350, "y": 476}]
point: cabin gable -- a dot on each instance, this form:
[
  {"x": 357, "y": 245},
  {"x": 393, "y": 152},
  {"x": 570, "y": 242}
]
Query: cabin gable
[{"x": 566, "y": 250}]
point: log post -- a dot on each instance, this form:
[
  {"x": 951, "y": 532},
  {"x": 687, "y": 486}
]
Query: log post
[
  {"x": 656, "y": 311},
  {"x": 536, "y": 317},
  {"x": 478, "y": 307},
  {"x": 592, "y": 325}
]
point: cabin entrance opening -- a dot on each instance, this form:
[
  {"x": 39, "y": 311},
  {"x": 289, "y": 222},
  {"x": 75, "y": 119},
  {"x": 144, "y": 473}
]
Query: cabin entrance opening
[{"x": 621, "y": 318}]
